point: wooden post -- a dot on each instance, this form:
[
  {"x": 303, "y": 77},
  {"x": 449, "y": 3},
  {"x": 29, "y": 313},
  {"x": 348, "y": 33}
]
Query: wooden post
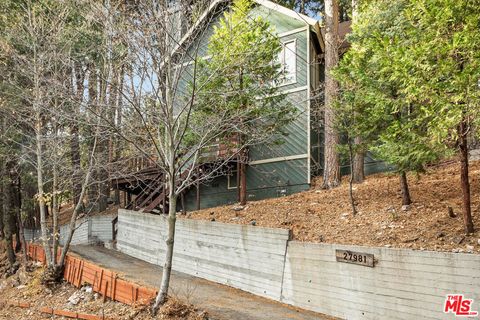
[
  {"x": 81, "y": 273},
  {"x": 111, "y": 285},
  {"x": 238, "y": 178},
  {"x": 129, "y": 199},
  {"x": 94, "y": 280},
  {"x": 105, "y": 292},
  {"x": 243, "y": 179},
  {"x": 164, "y": 200},
  {"x": 182, "y": 201},
  {"x": 198, "y": 189},
  {"x": 100, "y": 282},
  {"x": 114, "y": 287}
]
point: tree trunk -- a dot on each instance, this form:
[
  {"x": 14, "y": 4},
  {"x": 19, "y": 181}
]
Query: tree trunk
[
  {"x": 21, "y": 235},
  {"x": 74, "y": 135},
  {"x": 358, "y": 163},
  {"x": 92, "y": 193},
  {"x": 350, "y": 187},
  {"x": 331, "y": 170},
  {"x": 464, "y": 178},
  {"x": 117, "y": 140},
  {"x": 75, "y": 158},
  {"x": 41, "y": 193},
  {"x": 359, "y": 159},
  {"x": 2, "y": 235},
  {"x": 55, "y": 212},
  {"x": 7, "y": 209},
  {"x": 8, "y": 231},
  {"x": 167, "y": 268},
  {"x": 73, "y": 219},
  {"x": 17, "y": 205},
  {"x": 103, "y": 150},
  {"x": 242, "y": 169},
  {"x": 404, "y": 187},
  {"x": 243, "y": 179}
]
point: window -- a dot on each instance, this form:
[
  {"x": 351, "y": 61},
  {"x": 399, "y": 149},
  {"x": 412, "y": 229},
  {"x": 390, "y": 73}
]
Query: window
[
  {"x": 232, "y": 179},
  {"x": 288, "y": 63}
]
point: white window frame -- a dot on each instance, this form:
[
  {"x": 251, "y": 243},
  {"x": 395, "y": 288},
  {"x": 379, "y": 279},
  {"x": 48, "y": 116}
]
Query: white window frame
[
  {"x": 234, "y": 171},
  {"x": 283, "y": 81}
]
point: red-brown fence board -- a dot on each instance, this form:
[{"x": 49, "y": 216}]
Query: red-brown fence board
[{"x": 106, "y": 282}]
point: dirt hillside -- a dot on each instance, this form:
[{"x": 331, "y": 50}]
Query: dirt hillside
[{"x": 325, "y": 215}]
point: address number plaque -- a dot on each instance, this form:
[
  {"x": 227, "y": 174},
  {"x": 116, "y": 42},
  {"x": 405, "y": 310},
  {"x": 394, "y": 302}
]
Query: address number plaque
[{"x": 363, "y": 259}]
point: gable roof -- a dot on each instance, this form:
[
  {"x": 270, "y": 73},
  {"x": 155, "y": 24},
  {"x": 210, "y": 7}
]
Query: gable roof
[
  {"x": 214, "y": 5},
  {"x": 288, "y": 12}
]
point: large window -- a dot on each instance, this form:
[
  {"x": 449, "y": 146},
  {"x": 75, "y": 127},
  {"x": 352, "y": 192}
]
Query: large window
[{"x": 288, "y": 63}]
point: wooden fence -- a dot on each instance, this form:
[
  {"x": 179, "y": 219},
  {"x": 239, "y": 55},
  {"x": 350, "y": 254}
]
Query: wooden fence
[{"x": 106, "y": 282}]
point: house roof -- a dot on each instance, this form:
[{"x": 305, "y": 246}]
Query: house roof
[
  {"x": 214, "y": 5},
  {"x": 288, "y": 12}
]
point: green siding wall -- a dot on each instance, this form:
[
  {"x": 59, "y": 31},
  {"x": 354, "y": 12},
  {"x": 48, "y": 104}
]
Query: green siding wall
[
  {"x": 267, "y": 180},
  {"x": 295, "y": 142},
  {"x": 273, "y": 179},
  {"x": 280, "y": 22}
]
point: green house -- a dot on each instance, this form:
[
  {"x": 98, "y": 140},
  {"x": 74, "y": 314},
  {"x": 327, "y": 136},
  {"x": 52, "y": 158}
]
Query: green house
[
  {"x": 273, "y": 170},
  {"x": 277, "y": 169}
]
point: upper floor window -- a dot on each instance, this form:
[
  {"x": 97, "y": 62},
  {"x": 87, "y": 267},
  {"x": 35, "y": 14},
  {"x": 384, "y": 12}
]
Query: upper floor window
[{"x": 288, "y": 63}]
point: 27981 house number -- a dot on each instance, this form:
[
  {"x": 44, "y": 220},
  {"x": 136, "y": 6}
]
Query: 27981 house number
[{"x": 364, "y": 259}]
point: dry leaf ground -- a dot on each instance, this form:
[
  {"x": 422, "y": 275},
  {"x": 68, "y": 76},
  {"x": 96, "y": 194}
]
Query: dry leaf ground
[
  {"x": 25, "y": 287},
  {"x": 325, "y": 215}
]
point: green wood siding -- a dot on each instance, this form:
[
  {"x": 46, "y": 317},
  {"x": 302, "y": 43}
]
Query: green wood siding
[
  {"x": 280, "y": 22},
  {"x": 267, "y": 180},
  {"x": 278, "y": 178},
  {"x": 295, "y": 142}
]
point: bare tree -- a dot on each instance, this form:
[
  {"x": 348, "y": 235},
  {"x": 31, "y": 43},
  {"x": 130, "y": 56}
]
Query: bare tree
[
  {"x": 42, "y": 71},
  {"x": 159, "y": 67},
  {"x": 163, "y": 119}
]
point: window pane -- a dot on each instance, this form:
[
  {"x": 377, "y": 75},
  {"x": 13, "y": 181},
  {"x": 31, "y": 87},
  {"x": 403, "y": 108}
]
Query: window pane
[{"x": 290, "y": 62}]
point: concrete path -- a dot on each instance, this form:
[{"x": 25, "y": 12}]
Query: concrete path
[{"x": 221, "y": 302}]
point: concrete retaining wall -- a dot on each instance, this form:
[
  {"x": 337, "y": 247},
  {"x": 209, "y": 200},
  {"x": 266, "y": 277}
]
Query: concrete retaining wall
[
  {"x": 31, "y": 234},
  {"x": 404, "y": 284},
  {"x": 91, "y": 230},
  {"x": 101, "y": 228},
  {"x": 245, "y": 257},
  {"x": 81, "y": 234}
]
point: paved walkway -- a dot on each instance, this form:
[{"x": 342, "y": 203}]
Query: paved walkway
[{"x": 221, "y": 302}]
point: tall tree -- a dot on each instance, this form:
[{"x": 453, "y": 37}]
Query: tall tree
[
  {"x": 331, "y": 166},
  {"x": 441, "y": 72},
  {"x": 38, "y": 47},
  {"x": 381, "y": 117},
  {"x": 358, "y": 166},
  {"x": 417, "y": 78},
  {"x": 7, "y": 197}
]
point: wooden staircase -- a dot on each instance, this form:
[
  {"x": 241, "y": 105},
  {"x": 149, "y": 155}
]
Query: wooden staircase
[{"x": 145, "y": 188}]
